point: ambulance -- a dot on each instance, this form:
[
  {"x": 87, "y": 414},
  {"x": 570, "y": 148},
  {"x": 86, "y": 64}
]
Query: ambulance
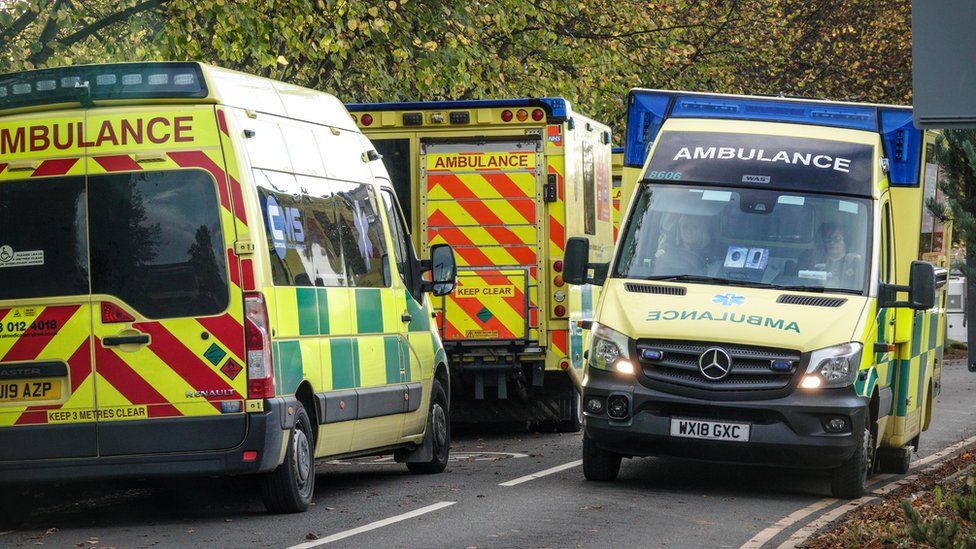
[
  {"x": 777, "y": 294},
  {"x": 504, "y": 182},
  {"x": 204, "y": 272}
]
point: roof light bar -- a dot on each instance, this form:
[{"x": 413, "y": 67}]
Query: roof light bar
[{"x": 89, "y": 83}]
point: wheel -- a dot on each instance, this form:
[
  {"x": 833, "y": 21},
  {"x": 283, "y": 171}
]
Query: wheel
[
  {"x": 894, "y": 460},
  {"x": 16, "y": 505},
  {"x": 575, "y": 422},
  {"x": 599, "y": 464},
  {"x": 439, "y": 429},
  {"x": 289, "y": 488},
  {"x": 848, "y": 480}
]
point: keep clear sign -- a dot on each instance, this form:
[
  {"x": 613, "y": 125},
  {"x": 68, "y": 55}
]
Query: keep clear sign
[{"x": 11, "y": 258}]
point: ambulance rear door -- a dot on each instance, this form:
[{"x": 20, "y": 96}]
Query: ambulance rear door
[{"x": 482, "y": 197}]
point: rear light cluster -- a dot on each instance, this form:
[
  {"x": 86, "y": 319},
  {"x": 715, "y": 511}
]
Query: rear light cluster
[
  {"x": 257, "y": 339},
  {"x": 522, "y": 115},
  {"x": 366, "y": 119},
  {"x": 558, "y": 294}
]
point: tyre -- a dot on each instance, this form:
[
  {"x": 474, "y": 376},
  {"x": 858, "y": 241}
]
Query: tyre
[
  {"x": 599, "y": 464},
  {"x": 575, "y": 422},
  {"x": 439, "y": 429},
  {"x": 16, "y": 505},
  {"x": 894, "y": 460},
  {"x": 289, "y": 488},
  {"x": 848, "y": 480}
]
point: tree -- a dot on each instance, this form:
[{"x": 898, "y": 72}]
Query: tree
[{"x": 955, "y": 151}]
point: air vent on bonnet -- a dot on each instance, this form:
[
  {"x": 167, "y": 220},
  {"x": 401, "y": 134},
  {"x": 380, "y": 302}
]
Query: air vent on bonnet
[
  {"x": 655, "y": 289},
  {"x": 812, "y": 301}
]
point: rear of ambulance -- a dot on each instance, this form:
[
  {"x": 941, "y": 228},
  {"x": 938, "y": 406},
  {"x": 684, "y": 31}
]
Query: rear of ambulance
[{"x": 122, "y": 314}]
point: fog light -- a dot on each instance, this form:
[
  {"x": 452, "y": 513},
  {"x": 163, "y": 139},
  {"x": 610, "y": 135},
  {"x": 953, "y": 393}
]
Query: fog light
[
  {"x": 837, "y": 425},
  {"x": 811, "y": 382},
  {"x": 618, "y": 406},
  {"x": 594, "y": 406}
]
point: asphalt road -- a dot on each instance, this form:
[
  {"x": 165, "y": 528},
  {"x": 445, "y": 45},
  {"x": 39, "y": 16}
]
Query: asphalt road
[{"x": 654, "y": 503}]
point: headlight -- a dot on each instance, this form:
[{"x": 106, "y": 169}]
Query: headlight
[
  {"x": 835, "y": 366},
  {"x": 610, "y": 350}
]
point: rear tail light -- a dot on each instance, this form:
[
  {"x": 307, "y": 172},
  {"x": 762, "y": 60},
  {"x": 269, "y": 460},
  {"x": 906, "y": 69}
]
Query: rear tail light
[
  {"x": 557, "y": 266},
  {"x": 112, "y": 313},
  {"x": 257, "y": 338},
  {"x": 537, "y": 115},
  {"x": 506, "y": 115},
  {"x": 522, "y": 115},
  {"x": 560, "y": 310},
  {"x": 366, "y": 119}
]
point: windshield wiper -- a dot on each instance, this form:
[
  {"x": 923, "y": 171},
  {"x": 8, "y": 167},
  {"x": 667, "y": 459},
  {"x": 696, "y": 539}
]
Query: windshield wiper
[
  {"x": 707, "y": 280},
  {"x": 818, "y": 289}
]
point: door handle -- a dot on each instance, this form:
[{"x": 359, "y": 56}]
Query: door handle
[
  {"x": 113, "y": 341},
  {"x": 406, "y": 317}
]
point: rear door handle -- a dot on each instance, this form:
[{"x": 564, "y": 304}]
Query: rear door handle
[
  {"x": 113, "y": 341},
  {"x": 406, "y": 317}
]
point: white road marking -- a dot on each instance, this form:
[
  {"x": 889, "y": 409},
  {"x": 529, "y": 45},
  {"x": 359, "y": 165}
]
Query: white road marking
[
  {"x": 374, "y": 525},
  {"x": 541, "y": 474},
  {"x": 7, "y": 532},
  {"x": 769, "y": 533}
]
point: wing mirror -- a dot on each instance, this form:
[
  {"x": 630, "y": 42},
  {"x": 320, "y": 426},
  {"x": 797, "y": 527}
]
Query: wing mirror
[
  {"x": 443, "y": 270},
  {"x": 576, "y": 264},
  {"x": 920, "y": 289}
]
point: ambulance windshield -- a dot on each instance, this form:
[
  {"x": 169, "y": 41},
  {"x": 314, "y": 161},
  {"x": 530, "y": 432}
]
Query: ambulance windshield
[{"x": 753, "y": 237}]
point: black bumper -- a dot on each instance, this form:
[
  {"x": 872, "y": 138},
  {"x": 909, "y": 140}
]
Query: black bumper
[
  {"x": 787, "y": 431},
  {"x": 265, "y": 433}
]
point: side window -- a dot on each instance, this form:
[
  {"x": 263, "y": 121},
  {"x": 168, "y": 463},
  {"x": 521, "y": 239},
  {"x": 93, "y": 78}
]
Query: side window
[
  {"x": 887, "y": 260},
  {"x": 322, "y": 233},
  {"x": 285, "y": 227},
  {"x": 157, "y": 243},
  {"x": 400, "y": 250},
  {"x": 361, "y": 232},
  {"x": 589, "y": 189}
]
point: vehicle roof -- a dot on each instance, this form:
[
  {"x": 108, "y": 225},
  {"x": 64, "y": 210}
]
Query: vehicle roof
[
  {"x": 555, "y": 107},
  {"x": 785, "y": 99}
]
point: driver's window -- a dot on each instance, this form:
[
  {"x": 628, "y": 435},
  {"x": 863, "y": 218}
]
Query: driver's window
[{"x": 886, "y": 245}]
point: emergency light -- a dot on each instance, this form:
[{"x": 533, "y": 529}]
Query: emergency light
[
  {"x": 87, "y": 83},
  {"x": 647, "y": 110}
]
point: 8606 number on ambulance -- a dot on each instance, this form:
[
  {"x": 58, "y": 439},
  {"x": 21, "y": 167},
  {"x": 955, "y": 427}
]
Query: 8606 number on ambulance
[{"x": 204, "y": 272}]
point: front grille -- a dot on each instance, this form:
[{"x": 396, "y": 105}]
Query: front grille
[
  {"x": 655, "y": 289},
  {"x": 812, "y": 301},
  {"x": 751, "y": 367}
]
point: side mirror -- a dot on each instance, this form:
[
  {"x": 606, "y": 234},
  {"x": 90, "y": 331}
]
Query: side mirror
[
  {"x": 443, "y": 270},
  {"x": 920, "y": 289},
  {"x": 576, "y": 260},
  {"x": 921, "y": 284},
  {"x": 576, "y": 264}
]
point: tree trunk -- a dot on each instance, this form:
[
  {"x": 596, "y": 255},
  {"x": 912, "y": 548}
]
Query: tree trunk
[{"x": 971, "y": 305}]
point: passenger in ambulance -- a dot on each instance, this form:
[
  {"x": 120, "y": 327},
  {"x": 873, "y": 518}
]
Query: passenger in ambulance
[
  {"x": 685, "y": 248},
  {"x": 840, "y": 268}
]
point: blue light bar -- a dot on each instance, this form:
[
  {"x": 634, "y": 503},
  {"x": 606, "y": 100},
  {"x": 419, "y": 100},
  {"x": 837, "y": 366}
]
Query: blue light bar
[
  {"x": 557, "y": 108},
  {"x": 645, "y": 114},
  {"x": 903, "y": 147},
  {"x": 855, "y": 117}
]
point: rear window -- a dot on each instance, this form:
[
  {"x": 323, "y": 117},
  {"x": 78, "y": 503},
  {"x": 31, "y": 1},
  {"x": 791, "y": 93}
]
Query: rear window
[
  {"x": 156, "y": 242},
  {"x": 42, "y": 238}
]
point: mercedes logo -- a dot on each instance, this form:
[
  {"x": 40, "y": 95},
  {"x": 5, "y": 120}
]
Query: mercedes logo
[{"x": 715, "y": 364}]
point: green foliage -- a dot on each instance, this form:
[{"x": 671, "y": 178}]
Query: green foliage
[
  {"x": 956, "y": 153},
  {"x": 956, "y": 531},
  {"x": 589, "y": 51}
]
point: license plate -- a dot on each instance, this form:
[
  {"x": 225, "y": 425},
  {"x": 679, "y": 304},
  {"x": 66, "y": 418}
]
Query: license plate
[
  {"x": 30, "y": 390},
  {"x": 711, "y": 430}
]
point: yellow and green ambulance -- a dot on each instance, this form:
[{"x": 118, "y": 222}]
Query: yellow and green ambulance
[
  {"x": 777, "y": 293},
  {"x": 204, "y": 272},
  {"x": 504, "y": 181}
]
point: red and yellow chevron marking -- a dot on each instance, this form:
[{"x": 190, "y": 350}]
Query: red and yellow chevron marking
[
  {"x": 54, "y": 333},
  {"x": 560, "y": 341},
  {"x": 487, "y": 304},
  {"x": 557, "y": 210}
]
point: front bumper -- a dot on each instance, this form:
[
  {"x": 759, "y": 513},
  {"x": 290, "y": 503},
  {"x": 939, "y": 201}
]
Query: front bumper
[
  {"x": 787, "y": 431},
  {"x": 266, "y": 433}
]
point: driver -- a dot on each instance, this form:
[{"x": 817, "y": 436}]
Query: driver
[
  {"x": 843, "y": 268},
  {"x": 683, "y": 251}
]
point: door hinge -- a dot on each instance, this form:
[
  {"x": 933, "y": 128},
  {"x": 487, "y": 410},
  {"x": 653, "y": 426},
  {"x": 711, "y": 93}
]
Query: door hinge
[
  {"x": 244, "y": 247},
  {"x": 550, "y": 190}
]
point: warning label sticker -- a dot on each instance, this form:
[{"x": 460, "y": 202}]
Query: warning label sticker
[
  {"x": 10, "y": 258},
  {"x": 125, "y": 412},
  {"x": 485, "y": 291}
]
